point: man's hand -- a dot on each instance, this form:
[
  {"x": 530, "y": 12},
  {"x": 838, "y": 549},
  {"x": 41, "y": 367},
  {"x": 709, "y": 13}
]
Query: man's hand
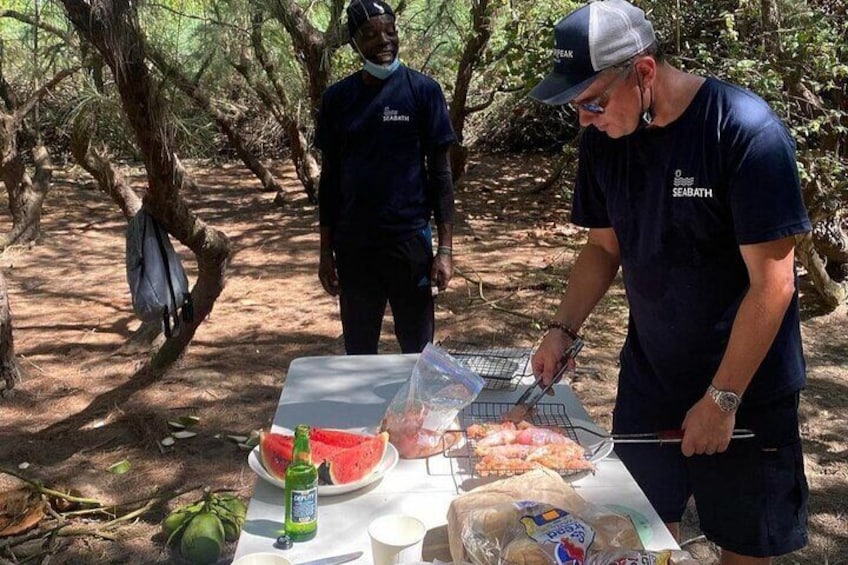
[
  {"x": 547, "y": 359},
  {"x": 707, "y": 429},
  {"x": 442, "y": 271},
  {"x": 328, "y": 276}
]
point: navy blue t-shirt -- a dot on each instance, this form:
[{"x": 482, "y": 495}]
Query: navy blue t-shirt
[
  {"x": 681, "y": 200},
  {"x": 374, "y": 138}
]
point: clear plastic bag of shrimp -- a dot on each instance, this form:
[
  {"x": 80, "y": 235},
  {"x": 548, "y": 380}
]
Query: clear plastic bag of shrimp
[{"x": 426, "y": 406}]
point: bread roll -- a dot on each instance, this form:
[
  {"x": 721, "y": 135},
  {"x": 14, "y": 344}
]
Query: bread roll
[{"x": 525, "y": 551}]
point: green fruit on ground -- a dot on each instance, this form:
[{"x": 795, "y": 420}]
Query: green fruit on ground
[
  {"x": 232, "y": 529},
  {"x": 234, "y": 505},
  {"x": 232, "y": 513},
  {"x": 355, "y": 463},
  {"x": 203, "y": 539},
  {"x": 180, "y": 516},
  {"x": 174, "y": 520}
]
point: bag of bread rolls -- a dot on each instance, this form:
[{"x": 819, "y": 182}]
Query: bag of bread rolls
[
  {"x": 484, "y": 522},
  {"x": 541, "y": 534},
  {"x": 542, "y": 485}
]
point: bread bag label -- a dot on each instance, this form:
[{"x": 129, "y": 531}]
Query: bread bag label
[{"x": 570, "y": 536}]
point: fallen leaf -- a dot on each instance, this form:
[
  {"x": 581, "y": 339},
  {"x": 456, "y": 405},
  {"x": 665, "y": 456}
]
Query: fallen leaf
[
  {"x": 20, "y": 510},
  {"x": 119, "y": 468}
]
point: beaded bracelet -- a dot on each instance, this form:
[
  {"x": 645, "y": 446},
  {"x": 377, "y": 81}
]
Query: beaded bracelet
[
  {"x": 445, "y": 250},
  {"x": 556, "y": 325}
]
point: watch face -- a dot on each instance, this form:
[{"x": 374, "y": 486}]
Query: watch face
[{"x": 726, "y": 400}]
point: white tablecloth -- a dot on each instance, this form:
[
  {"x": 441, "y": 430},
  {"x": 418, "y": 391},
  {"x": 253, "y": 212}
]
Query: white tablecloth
[{"x": 353, "y": 392}]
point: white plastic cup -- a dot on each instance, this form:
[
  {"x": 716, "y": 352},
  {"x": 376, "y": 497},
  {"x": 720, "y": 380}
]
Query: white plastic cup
[{"x": 396, "y": 538}]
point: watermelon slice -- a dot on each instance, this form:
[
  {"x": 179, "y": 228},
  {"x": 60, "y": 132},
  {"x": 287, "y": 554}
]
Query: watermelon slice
[
  {"x": 275, "y": 452},
  {"x": 354, "y": 463},
  {"x": 338, "y": 437}
]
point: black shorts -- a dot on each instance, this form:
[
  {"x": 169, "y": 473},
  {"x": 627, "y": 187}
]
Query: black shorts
[{"x": 751, "y": 499}]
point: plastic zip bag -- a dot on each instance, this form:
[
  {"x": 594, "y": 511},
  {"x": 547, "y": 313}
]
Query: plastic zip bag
[{"x": 428, "y": 403}]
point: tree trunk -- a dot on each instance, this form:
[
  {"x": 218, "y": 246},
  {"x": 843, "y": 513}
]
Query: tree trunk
[
  {"x": 832, "y": 292},
  {"x": 113, "y": 28},
  {"x": 10, "y": 371},
  {"x": 305, "y": 163},
  {"x": 26, "y": 196},
  {"x": 314, "y": 48},
  {"x": 475, "y": 46},
  {"x": 771, "y": 25},
  {"x": 110, "y": 180},
  {"x": 225, "y": 124}
]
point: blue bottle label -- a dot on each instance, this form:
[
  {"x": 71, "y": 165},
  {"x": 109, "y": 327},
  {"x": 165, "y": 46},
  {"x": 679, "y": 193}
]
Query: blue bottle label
[{"x": 304, "y": 505}]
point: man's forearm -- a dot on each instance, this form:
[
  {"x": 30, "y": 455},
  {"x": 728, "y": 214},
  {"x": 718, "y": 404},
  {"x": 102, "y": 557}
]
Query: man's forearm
[
  {"x": 445, "y": 235},
  {"x": 756, "y": 324},
  {"x": 326, "y": 241},
  {"x": 770, "y": 291},
  {"x": 440, "y": 185}
]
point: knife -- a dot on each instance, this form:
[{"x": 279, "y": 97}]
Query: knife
[{"x": 334, "y": 560}]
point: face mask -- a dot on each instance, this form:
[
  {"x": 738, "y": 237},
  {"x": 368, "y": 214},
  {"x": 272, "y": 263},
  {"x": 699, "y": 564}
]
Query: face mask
[{"x": 381, "y": 72}]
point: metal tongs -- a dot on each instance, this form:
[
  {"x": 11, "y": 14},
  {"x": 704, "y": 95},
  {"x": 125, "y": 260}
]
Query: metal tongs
[
  {"x": 525, "y": 402},
  {"x": 669, "y": 436}
]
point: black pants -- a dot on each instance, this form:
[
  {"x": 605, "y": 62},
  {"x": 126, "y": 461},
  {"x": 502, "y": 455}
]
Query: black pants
[{"x": 397, "y": 273}]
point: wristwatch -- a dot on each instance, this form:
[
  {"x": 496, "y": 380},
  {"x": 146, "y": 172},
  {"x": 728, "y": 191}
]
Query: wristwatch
[{"x": 727, "y": 400}]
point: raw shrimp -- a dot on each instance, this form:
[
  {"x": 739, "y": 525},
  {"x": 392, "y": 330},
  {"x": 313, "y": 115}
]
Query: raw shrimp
[
  {"x": 540, "y": 436},
  {"x": 502, "y": 437},
  {"x": 477, "y": 431},
  {"x": 511, "y": 450},
  {"x": 493, "y": 464},
  {"x": 560, "y": 456}
]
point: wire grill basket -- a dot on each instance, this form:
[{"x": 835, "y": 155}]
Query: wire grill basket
[
  {"x": 501, "y": 367},
  {"x": 551, "y": 416}
]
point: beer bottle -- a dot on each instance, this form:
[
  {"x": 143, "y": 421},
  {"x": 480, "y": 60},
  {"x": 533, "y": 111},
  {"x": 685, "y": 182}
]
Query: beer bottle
[{"x": 301, "y": 489}]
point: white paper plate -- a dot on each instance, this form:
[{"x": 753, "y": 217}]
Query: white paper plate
[{"x": 387, "y": 463}]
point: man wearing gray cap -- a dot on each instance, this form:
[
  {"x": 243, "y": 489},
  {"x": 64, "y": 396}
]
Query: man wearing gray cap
[
  {"x": 690, "y": 186},
  {"x": 384, "y": 134}
]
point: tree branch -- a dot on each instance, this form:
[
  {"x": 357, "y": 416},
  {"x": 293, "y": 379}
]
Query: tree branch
[
  {"x": 26, "y": 107},
  {"x": 24, "y": 18},
  {"x": 198, "y": 18}
]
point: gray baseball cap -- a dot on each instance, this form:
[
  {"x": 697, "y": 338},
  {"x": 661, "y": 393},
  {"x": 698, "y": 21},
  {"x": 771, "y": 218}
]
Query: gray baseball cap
[{"x": 597, "y": 36}]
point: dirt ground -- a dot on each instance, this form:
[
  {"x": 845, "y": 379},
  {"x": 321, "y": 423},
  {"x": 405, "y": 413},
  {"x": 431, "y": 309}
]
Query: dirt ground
[{"x": 73, "y": 318}]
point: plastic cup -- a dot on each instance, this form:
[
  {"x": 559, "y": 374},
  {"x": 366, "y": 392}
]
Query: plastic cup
[{"x": 396, "y": 538}]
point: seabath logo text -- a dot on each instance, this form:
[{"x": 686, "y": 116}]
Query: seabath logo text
[
  {"x": 390, "y": 115},
  {"x": 684, "y": 187}
]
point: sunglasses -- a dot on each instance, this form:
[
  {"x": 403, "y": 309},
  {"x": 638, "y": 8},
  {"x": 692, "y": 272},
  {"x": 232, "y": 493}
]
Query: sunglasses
[{"x": 597, "y": 104}]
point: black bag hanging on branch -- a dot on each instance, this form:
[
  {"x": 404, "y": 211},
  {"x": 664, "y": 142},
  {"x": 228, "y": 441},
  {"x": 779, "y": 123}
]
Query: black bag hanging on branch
[{"x": 158, "y": 282}]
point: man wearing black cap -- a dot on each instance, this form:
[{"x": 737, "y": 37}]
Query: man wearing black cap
[
  {"x": 690, "y": 186},
  {"x": 384, "y": 133}
]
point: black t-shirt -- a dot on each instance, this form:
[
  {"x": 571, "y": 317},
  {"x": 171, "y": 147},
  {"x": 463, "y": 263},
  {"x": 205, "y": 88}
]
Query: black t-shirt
[
  {"x": 681, "y": 200},
  {"x": 374, "y": 139}
]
